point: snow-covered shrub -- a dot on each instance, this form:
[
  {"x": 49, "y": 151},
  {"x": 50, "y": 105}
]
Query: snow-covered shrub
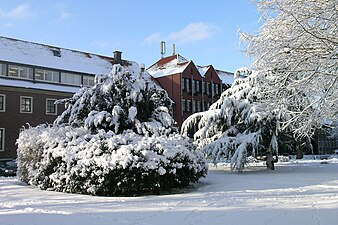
[
  {"x": 116, "y": 138},
  {"x": 237, "y": 125}
]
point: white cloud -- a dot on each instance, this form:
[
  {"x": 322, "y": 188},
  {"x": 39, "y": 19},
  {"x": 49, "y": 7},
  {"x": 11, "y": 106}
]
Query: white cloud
[
  {"x": 153, "y": 38},
  {"x": 193, "y": 32},
  {"x": 64, "y": 15},
  {"x": 105, "y": 44},
  {"x": 20, "y": 11},
  {"x": 62, "y": 11}
]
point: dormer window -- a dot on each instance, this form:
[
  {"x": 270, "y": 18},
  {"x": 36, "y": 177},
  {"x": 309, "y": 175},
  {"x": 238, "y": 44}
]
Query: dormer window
[{"x": 56, "y": 51}]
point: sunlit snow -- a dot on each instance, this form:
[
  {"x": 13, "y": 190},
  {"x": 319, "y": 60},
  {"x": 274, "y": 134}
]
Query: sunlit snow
[{"x": 297, "y": 192}]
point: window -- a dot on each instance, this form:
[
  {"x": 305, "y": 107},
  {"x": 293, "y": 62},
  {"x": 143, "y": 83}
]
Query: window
[
  {"x": 56, "y": 52},
  {"x": 206, "y": 105},
  {"x": 216, "y": 89},
  {"x": 47, "y": 75},
  {"x": 20, "y": 72},
  {"x": 3, "y": 69},
  {"x": 198, "y": 106},
  {"x": 2, "y": 103},
  {"x": 188, "y": 105},
  {"x": 193, "y": 106},
  {"x": 184, "y": 105},
  {"x": 26, "y": 104},
  {"x": 51, "y": 108},
  {"x": 2, "y": 139},
  {"x": 184, "y": 84},
  {"x": 196, "y": 86},
  {"x": 189, "y": 85},
  {"x": 70, "y": 78},
  {"x": 88, "y": 81}
]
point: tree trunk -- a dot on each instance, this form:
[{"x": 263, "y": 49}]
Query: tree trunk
[
  {"x": 270, "y": 162},
  {"x": 299, "y": 151}
]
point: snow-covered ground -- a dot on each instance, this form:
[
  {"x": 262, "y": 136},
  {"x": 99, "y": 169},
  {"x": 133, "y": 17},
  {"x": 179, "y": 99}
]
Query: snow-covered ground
[{"x": 297, "y": 192}]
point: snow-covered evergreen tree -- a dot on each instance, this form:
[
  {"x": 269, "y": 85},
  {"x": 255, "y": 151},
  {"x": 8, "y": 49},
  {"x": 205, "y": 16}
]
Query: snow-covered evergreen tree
[
  {"x": 296, "y": 47},
  {"x": 116, "y": 138},
  {"x": 237, "y": 125}
]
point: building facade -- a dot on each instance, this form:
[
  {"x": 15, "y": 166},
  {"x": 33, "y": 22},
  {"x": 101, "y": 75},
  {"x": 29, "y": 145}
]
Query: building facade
[
  {"x": 193, "y": 88},
  {"x": 325, "y": 141},
  {"x": 33, "y": 76}
]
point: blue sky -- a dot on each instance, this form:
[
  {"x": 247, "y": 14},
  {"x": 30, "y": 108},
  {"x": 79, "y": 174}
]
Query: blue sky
[{"x": 203, "y": 31}]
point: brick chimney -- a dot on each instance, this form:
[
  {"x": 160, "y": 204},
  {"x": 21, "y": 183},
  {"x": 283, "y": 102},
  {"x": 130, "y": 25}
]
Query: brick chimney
[{"x": 117, "y": 57}]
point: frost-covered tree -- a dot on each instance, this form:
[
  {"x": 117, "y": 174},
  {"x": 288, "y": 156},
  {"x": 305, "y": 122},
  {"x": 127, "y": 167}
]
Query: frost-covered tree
[
  {"x": 116, "y": 138},
  {"x": 297, "y": 49},
  {"x": 237, "y": 125}
]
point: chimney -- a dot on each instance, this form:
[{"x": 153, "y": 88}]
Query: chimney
[{"x": 117, "y": 57}]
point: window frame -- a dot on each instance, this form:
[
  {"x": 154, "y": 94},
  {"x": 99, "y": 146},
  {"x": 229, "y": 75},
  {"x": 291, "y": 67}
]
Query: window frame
[
  {"x": 188, "y": 105},
  {"x": 45, "y": 73},
  {"x": 19, "y": 68},
  {"x": 3, "y": 71},
  {"x": 4, "y": 103},
  {"x": 85, "y": 81},
  {"x": 65, "y": 77},
  {"x": 2, "y": 139},
  {"x": 31, "y": 104},
  {"x": 55, "y": 106}
]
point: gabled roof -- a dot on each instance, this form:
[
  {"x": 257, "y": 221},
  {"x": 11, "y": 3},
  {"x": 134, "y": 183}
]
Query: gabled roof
[
  {"x": 25, "y": 52},
  {"x": 176, "y": 64},
  {"x": 203, "y": 69},
  {"x": 169, "y": 65},
  {"x": 226, "y": 77}
]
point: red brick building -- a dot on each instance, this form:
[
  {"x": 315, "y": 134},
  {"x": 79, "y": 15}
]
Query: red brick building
[{"x": 193, "y": 88}]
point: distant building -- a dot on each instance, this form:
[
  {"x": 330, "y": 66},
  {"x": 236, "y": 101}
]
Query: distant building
[
  {"x": 33, "y": 76},
  {"x": 325, "y": 140},
  {"x": 193, "y": 88}
]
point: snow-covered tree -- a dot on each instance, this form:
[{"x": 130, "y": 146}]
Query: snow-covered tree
[
  {"x": 237, "y": 125},
  {"x": 297, "y": 49},
  {"x": 116, "y": 138},
  {"x": 119, "y": 102}
]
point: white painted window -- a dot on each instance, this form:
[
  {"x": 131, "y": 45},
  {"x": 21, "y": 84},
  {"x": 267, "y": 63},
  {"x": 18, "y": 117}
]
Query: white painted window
[
  {"x": 26, "y": 104},
  {"x": 2, "y": 139},
  {"x": 47, "y": 75},
  {"x": 3, "y": 69},
  {"x": 88, "y": 81},
  {"x": 20, "y": 72},
  {"x": 51, "y": 108},
  {"x": 2, "y": 103},
  {"x": 71, "y": 78}
]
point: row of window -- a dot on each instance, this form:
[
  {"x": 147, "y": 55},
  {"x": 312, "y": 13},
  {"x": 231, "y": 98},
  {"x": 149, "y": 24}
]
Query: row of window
[
  {"x": 327, "y": 144},
  {"x": 194, "y": 105},
  {"x": 45, "y": 75},
  {"x": 26, "y": 105},
  {"x": 198, "y": 86}
]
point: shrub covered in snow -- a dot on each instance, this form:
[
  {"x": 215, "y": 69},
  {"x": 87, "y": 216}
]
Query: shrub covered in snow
[{"x": 116, "y": 138}]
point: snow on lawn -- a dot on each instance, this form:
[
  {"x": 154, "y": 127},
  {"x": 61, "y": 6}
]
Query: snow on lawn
[{"x": 297, "y": 192}]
